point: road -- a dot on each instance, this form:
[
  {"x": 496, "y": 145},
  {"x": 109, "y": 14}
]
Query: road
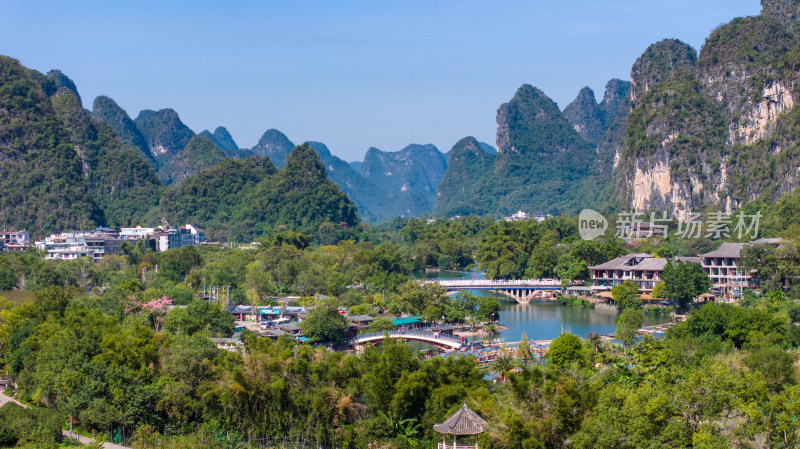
[{"x": 84, "y": 440}]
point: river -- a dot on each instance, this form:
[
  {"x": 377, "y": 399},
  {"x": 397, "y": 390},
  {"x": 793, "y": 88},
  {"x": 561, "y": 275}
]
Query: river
[{"x": 543, "y": 320}]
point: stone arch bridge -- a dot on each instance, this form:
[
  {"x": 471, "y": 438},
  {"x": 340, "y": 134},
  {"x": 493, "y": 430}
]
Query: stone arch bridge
[{"x": 521, "y": 290}]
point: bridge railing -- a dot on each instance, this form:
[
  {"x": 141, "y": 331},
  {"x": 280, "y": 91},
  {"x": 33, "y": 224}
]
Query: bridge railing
[
  {"x": 498, "y": 282},
  {"x": 424, "y": 334}
]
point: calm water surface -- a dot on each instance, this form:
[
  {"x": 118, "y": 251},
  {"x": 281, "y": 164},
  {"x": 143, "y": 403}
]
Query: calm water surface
[{"x": 543, "y": 320}]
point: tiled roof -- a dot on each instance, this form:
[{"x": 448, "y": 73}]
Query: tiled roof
[
  {"x": 648, "y": 263},
  {"x": 463, "y": 422},
  {"x": 726, "y": 250}
]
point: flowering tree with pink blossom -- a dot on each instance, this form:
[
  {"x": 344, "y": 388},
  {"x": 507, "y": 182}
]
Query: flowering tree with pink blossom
[{"x": 155, "y": 309}]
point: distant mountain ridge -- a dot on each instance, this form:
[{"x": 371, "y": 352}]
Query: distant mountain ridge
[{"x": 690, "y": 131}]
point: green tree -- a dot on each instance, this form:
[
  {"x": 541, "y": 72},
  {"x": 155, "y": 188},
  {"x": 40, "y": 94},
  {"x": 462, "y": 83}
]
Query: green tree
[
  {"x": 626, "y": 295},
  {"x": 683, "y": 281},
  {"x": 628, "y": 324},
  {"x": 565, "y": 350},
  {"x": 488, "y": 308},
  {"x": 324, "y": 323},
  {"x": 381, "y": 325},
  {"x": 524, "y": 349}
]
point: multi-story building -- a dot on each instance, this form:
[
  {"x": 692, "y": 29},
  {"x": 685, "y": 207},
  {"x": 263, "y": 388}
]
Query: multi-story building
[
  {"x": 137, "y": 233},
  {"x": 172, "y": 238},
  {"x": 722, "y": 265},
  {"x": 75, "y": 244},
  {"x": 14, "y": 240},
  {"x": 641, "y": 268}
]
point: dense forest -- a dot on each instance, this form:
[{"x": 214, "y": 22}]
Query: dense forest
[{"x": 121, "y": 344}]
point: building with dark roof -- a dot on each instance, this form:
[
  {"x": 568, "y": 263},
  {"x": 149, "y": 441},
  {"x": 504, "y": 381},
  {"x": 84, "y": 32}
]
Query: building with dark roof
[{"x": 641, "y": 268}]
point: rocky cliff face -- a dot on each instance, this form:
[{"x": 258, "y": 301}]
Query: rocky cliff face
[
  {"x": 411, "y": 175},
  {"x": 107, "y": 110},
  {"x": 275, "y": 145},
  {"x": 585, "y": 116},
  {"x": 719, "y": 129},
  {"x": 222, "y": 139},
  {"x": 164, "y": 132}
]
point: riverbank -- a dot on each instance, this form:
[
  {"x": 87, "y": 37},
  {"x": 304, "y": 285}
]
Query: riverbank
[{"x": 470, "y": 333}]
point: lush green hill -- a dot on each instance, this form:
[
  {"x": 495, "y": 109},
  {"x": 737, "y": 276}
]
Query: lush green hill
[
  {"x": 274, "y": 145},
  {"x": 62, "y": 169},
  {"x": 410, "y": 176},
  {"x": 468, "y": 161},
  {"x": 212, "y": 199},
  {"x": 242, "y": 199},
  {"x": 62, "y": 80},
  {"x": 221, "y": 138},
  {"x": 374, "y": 202},
  {"x": 107, "y": 110},
  {"x": 542, "y": 165},
  {"x": 120, "y": 181},
  {"x": 200, "y": 153},
  {"x": 164, "y": 132}
]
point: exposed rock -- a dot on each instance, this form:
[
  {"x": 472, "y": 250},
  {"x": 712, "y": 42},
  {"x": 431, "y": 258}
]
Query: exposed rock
[
  {"x": 275, "y": 145},
  {"x": 585, "y": 115},
  {"x": 164, "y": 132}
]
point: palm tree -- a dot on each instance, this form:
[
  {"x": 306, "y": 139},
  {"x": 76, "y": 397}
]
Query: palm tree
[{"x": 503, "y": 364}]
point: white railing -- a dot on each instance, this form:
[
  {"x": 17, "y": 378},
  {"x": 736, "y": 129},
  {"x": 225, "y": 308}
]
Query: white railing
[
  {"x": 460, "y": 446},
  {"x": 424, "y": 334},
  {"x": 498, "y": 282}
]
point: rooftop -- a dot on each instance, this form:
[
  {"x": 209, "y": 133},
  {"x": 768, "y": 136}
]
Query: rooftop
[
  {"x": 726, "y": 250},
  {"x": 463, "y": 422}
]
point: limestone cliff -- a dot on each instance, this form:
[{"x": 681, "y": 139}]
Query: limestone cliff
[{"x": 716, "y": 129}]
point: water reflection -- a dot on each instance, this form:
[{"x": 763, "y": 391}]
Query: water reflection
[{"x": 543, "y": 320}]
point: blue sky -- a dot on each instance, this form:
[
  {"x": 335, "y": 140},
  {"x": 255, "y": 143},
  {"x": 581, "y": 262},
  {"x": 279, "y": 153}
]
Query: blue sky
[{"x": 349, "y": 74}]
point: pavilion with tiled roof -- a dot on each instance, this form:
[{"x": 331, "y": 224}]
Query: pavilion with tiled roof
[{"x": 463, "y": 422}]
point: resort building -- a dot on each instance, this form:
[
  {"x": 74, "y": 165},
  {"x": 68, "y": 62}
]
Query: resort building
[
  {"x": 641, "y": 268},
  {"x": 723, "y": 265}
]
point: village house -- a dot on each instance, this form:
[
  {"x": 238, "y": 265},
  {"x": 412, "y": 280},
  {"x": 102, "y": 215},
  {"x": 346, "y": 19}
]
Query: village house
[{"x": 14, "y": 240}]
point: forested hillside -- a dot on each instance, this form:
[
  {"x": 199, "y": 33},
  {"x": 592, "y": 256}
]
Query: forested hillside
[
  {"x": 242, "y": 199},
  {"x": 543, "y": 164},
  {"x": 61, "y": 169}
]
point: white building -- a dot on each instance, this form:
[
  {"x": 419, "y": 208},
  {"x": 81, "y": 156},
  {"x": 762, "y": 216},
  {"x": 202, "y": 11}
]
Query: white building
[
  {"x": 14, "y": 240},
  {"x": 137, "y": 233},
  {"x": 519, "y": 216},
  {"x": 75, "y": 244}
]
